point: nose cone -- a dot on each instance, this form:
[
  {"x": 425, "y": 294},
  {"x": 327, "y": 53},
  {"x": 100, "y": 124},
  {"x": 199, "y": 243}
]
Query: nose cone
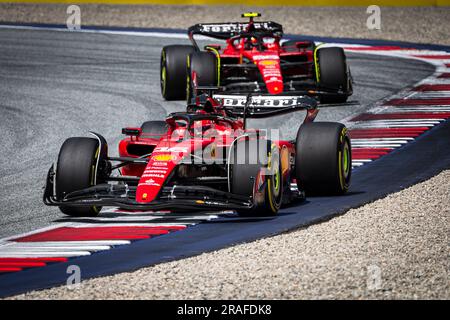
[{"x": 271, "y": 73}]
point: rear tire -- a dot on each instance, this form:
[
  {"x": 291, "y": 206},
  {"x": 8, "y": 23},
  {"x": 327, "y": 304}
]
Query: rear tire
[
  {"x": 323, "y": 160},
  {"x": 173, "y": 71},
  {"x": 76, "y": 166},
  {"x": 244, "y": 171},
  {"x": 204, "y": 65},
  {"x": 332, "y": 69}
]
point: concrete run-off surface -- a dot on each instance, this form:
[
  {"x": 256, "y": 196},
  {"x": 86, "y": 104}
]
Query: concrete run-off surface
[
  {"x": 394, "y": 248},
  {"x": 414, "y": 24}
]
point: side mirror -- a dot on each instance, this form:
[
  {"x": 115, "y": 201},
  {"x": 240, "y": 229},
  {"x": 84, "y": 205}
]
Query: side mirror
[{"x": 134, "y": 132}]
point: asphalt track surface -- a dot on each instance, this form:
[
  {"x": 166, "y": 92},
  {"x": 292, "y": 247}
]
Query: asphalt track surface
[{"x": 54, "y": 85}]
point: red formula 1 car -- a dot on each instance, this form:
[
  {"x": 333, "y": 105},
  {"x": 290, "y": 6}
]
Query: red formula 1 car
[
  {"x": 254, "y": 59},
  {"x": 204, "y": 159}
]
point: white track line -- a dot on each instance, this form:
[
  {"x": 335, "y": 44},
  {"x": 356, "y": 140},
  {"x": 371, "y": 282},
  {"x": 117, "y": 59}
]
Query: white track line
[
  {"x": 152, "y": 221},
  {"x": 75, "y": 243},
  {"x": 116, "y": 32},
  {"x": 386, "y": 126},
  {"x": 38, "y": 247},
  {"x": 376, "y": 141},
  {"x": 43, "y": 254},
  {"x": 400, "y": 121},
  {"x": 377, "y": 145},
  {"x": 382, "y": 139},
  {"x": 430, "y": 94},
  {"x": 424, "y": 109},
  {"x": 358, "y": 164}
]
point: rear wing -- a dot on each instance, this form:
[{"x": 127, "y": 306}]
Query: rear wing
[
  {"x": 261, "y": 106},
  {"x": 225, "y": 31}
]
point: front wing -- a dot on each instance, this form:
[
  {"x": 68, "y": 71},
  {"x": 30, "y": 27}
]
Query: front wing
[{"x": 174, "y": 198}]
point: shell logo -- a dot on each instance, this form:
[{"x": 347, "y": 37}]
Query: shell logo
[
  {"x": 268, "y": 62},
  {"x": 163, "y": 157}
]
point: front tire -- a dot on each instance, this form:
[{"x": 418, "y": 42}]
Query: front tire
[
  {"x": 173, "y": 71},
  {"x": 204, "y": 66},
  {"x": 75, "y": 170},
  {"x": 323, "y": 158},
  {"x": 247, "y": 160},
  {"x": 332, "y": 73}
]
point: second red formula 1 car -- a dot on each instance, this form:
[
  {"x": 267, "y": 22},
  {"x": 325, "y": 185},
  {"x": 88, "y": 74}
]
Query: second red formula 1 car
[
  {"x": 254, "y": 59},
  {"x": 204, "y": 159}
]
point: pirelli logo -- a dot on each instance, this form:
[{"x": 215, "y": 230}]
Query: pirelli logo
[{"x": 261, "y": 101}]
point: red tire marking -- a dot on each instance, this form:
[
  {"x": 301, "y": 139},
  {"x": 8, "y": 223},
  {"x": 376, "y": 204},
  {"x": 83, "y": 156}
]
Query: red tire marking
[
  {"x": 418, "y": 102},
  {"x": 433, "y": 87},
  {"x": 404, "y": 130},
  {"x": 368, "y": 153},
  {"x": 445, "y": 75},
  {"x": 357, "y": 149},
  {"x": 377, "y": 48},
  {"x": 372, "y": 157},
  {"x": 4, "y": 270},
  {"x": 25, "y": 260},
  {"x": 96, "y": 233},
  {"x": 437, "y": 56},
  {"x": 21, "y": 264},
  {"x": 387, "y": 133},
  {"x": 408, "y": 115}
]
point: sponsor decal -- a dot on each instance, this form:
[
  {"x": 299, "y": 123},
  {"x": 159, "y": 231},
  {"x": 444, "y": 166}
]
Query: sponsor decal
[
  {"x": 150, "y": 182},
  {"x": 273, "y": 79},
  {"x": 153, "y": 175},
  {"x": 261, "y": 101},
  {"x": 172, "y": 149},
  {"x": 156, "y": 170},
  {"x": 152, "y": 169},
  {"x": 265, "y": 57},
  {"x": 234, "y": 27},
  {"x": 159, "y": 164},
  {"x": 268, "y": 62},
  {"x": 164, "y": 157}
]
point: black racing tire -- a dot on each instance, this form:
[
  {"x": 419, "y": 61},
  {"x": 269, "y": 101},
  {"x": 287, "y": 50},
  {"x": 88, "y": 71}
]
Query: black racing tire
[
  {"x": 75, "y": 170},
  {"x": 323, "y": 158},
  {"x": 332, "y": 73},
  {"x": 204, "y": 64},
  {"x": 157, "y": 127},
  {"x": 173, "y": 71},
  {"x": 244, "y": 171}
]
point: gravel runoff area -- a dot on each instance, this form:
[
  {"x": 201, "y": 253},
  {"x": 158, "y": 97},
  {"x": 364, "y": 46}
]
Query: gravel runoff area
[
  {"x": 415, "y": 24},
  {"x": 393, "y": 248}
]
